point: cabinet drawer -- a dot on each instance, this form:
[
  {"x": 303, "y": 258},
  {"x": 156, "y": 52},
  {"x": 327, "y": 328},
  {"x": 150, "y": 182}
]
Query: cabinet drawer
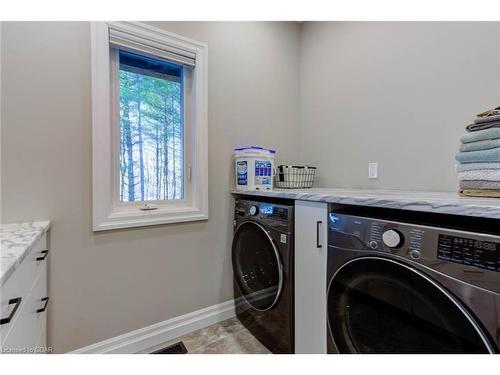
[
  {"x": 20, "y": 284},
  {"x": 25, "y": 331}
]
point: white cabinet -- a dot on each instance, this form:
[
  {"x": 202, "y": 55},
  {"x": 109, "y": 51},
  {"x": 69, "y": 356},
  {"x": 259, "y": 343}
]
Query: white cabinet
[
  {"x": 311, "y": 249},
  {"x": 24, "y": 302}
]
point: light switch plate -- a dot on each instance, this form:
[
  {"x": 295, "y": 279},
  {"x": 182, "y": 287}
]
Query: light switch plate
[{"x": 372, "y": 170}]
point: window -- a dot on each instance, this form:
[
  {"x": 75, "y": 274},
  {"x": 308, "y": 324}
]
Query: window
[
  {"x": 149, "y": 119},
  {"x": 151, "y": 129}
]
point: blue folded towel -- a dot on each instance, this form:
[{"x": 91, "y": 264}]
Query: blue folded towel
[
  {"x": 483, "y": 156},
  {"x": 480, "y": 145},
  {"x": 481, "y": 135}
]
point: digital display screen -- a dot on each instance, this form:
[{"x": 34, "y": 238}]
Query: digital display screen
[
  {"x": 489, "y": 246},
  {"x": 266, "y": 209}
]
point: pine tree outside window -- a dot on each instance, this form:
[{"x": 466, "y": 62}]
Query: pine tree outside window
[{"x": 151, "y": 129}]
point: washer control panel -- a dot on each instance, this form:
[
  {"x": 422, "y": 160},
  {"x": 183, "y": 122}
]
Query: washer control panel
[
  {"x": 472, "y": 252},
  {"x": 264, "y": 212},
  {"x": 383, "y": 235},
  {"x": 471, "y": 257},
  {"x": 375, "y": 235}
]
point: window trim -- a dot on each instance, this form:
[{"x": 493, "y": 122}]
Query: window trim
[{"x": 107, "y": 214}]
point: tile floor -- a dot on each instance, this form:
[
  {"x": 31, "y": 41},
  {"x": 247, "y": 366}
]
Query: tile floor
[{"x": 226, "y": 337}]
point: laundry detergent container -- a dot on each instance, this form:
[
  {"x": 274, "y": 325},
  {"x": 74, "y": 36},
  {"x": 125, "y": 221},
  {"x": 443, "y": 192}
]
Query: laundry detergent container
[{"x": 254, "y": 168}]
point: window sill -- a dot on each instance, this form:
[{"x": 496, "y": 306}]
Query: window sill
[{"x": 133, "y": 218}]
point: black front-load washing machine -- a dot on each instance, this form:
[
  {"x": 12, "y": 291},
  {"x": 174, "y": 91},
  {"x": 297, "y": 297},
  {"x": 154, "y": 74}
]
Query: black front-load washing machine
[
  {"x": 262, "y": 257},
  {"x": 412, "y": 284}
]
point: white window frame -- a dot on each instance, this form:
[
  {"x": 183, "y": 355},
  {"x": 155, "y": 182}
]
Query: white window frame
[{"x": 108, "y": 212}]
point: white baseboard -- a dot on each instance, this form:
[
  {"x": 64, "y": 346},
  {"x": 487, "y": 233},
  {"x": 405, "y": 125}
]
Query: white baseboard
[{"x": 147, "y": 337}]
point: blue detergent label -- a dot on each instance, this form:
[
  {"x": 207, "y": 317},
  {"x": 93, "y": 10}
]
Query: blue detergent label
[
  {"x": 242, "y": 172},
  {"x": 263, "y": 172}
]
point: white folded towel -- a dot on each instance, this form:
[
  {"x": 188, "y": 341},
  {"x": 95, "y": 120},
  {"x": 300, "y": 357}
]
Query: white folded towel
[
  {"x": 473, "y": 166},
  {"x": 480, "y": 174}
]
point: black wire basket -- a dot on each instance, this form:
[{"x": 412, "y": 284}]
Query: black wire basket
[{"x": 294, "y": 177}]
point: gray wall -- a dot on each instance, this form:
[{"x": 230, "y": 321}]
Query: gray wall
[
  {"x": 102, "y": 285},
  {"x": 399, "y": 93}
]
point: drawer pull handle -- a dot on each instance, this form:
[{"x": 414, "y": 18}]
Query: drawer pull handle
[
  {"x": 45, "y": 253},
  {"x": 46, "y": 299},
  {"x": 16, "y": 301}
]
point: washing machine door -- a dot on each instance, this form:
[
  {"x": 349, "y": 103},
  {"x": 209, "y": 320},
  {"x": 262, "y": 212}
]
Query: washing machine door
[
  {"x": 380, "y": 305},
  {"x": 257, "y": 266}
]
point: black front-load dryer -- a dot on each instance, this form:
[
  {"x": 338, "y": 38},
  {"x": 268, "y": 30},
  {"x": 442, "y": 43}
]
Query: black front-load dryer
[{"x": 262, "y": 257}]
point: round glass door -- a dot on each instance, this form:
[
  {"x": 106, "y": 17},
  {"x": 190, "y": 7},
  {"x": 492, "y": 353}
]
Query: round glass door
[
  {"x": 257, "y": 266},
  {"x": 377, "y": 305}
]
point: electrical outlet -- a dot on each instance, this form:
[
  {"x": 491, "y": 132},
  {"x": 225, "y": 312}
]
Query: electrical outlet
[{"x": 372, "y": 170}]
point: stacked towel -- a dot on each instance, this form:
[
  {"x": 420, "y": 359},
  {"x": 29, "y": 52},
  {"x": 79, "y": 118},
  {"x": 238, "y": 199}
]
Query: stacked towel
[
  {"x": 479, "y": 156},
  {"x": 483, "y": 125}
]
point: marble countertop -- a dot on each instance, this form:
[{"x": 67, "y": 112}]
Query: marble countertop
[
  {"x": 437, "y": 202},
  {"x": 16, "y": 242}
]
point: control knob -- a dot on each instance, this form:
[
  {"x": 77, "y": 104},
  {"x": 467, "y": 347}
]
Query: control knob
[
  {"x": 415, "y": 254},
  {"x": 392, "y": 238},
  {"x": 254, "y": 210}
]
